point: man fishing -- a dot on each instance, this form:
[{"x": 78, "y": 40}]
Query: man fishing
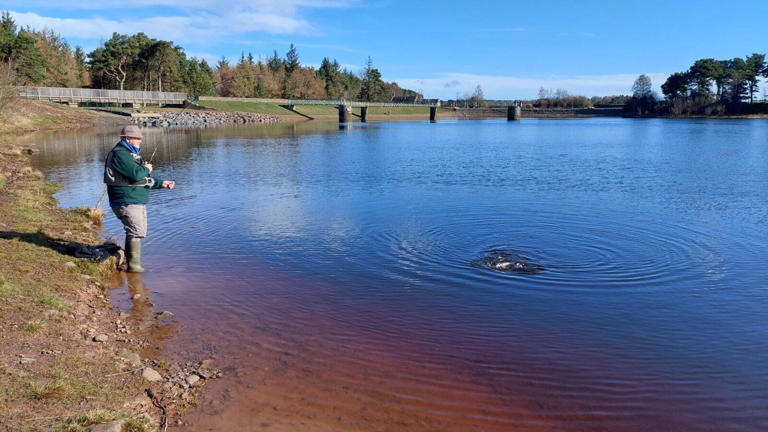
[{"x": 128, "y": 181}]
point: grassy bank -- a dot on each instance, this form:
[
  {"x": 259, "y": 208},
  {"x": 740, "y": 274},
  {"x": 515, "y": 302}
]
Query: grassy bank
[
  {"x": 318, "y": 111},
  {"x": 67, "y": 360},
  {"x": 255, "y": 107},
  {"x": 52, "y": 375},
  {"x": 23, "y": 116}
]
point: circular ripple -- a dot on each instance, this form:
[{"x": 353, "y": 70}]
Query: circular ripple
[{"x": 580, "y": 251}]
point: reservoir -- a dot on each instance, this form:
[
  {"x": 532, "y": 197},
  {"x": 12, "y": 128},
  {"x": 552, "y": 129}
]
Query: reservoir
[{"x": 337, "y": 275}]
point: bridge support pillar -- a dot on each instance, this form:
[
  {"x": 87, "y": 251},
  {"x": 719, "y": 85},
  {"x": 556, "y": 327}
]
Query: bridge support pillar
[
  {"x": 364, "y": 114},
  {"x": 433, "y": 113},
  {"x": 344, "y": 113},
  {"x": 514, "y": 112}
]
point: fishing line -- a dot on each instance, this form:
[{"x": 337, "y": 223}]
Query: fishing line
[
  {"x": 170, "y": 157},
  {"x": 100, "y": 201}
]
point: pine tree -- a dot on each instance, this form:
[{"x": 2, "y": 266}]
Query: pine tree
[
  {"x": 372, "y": 88},
  {"x": 291, "y": 60},
  {"x": 83, "y": 78},
  {"x": 274, "y": 63}
]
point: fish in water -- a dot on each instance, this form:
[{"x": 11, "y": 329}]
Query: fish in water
[
  {"x": 504, "y": 261},
  {"x": 504, "y": 264}
]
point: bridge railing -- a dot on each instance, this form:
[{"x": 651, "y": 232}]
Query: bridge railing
[
  {"x": 61, "y": 94},
  {"x": 314, "y": 102}
]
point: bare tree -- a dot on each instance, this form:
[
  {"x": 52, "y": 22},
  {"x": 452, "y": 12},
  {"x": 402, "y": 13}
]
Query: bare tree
[
  {"x": 642, "y": 87},
  {"x": 477, "y": 96}
]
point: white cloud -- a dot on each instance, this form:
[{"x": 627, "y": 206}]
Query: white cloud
[
  {"x": 447, "y": 85},
  {"x": 176, "y": 28},
  {"x": 262, "y": 5},
  {"x": 182, "y": 21},
  {"x": 211, "y": 58},
  {"x": 93, "y": 28}
]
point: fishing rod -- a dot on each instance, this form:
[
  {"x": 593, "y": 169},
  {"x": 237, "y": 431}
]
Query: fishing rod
[
  {"x": 152, "y": 156},
  {"x": 196, "y": 97}
]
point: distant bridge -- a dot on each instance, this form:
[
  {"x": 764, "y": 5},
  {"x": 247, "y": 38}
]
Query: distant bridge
[
  {"x": 74, "y": 96},
  {"x": 334, "y": 102}
]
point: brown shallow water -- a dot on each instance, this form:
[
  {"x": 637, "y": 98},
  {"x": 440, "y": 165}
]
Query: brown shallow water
[{"x": 289, "y": 366}]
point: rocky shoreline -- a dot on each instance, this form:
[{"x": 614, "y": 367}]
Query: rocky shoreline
[
  {"x": 201, "y": 118},
  {"x": 170, "y": 386}
]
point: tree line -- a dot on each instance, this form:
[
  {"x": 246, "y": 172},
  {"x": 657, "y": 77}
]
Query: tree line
[
  {"x": 708, "y": 87},
  {"x": 548, "y": 99},
  {"x": 39, "y": 57},
  {"x": 138, "y": 62}
]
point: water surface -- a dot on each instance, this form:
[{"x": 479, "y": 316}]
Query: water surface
[{"x": 332, "y": 272}]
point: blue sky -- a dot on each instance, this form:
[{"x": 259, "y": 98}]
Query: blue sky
[{"x": 443, "y": 48}]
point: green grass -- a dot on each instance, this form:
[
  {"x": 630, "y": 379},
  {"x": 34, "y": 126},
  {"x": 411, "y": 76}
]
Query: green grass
[
  {"x": 316, "y": 110},
  {"x": 52, "y": 301},
  {"x": 34, "y": 203},
  {"x": 255, "y": 107},
  {"x": 312, "y": 110},
  {"x": 82, "y": 422},
  {"x": 34, "y": 325},
  {"x": 48, "y": 390},
  {"x": 407, "y": 110},
  {"x": 7, "y": 289}
]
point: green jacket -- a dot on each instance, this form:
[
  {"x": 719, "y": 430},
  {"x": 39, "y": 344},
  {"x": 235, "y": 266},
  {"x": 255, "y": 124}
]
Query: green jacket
[{"x": 123, "y": 167}]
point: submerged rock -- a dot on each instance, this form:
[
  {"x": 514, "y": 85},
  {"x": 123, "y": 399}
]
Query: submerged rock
[{"x": 164, "y": 315}]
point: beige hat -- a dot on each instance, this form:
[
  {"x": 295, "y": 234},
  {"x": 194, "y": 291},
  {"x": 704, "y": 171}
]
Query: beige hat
[{"x": 132, "y": 131}]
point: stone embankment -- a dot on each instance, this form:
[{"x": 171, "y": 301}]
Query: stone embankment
[{"x": 200, "y": 118}]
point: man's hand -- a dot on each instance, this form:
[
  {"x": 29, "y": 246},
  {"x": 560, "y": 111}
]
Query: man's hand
[
  {"x": 149, "y": 166},
  {"x": 169, "y": 184}
]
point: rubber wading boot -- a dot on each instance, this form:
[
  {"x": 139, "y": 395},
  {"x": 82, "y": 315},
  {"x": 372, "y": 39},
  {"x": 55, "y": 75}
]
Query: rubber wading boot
[{"x": 133, "y": 254}]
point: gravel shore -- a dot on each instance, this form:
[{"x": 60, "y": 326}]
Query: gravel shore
[{"x": 200, "y": 118}]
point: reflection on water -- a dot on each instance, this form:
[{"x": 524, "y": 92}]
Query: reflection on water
[
  {"x": 134, "y": 300},
  {"x": 334, "y": 274}
]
